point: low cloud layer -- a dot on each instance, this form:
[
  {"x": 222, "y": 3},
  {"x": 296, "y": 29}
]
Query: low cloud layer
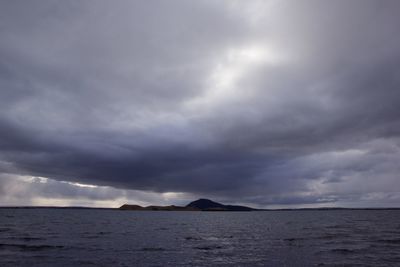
[{"x": 269, "y": 103}]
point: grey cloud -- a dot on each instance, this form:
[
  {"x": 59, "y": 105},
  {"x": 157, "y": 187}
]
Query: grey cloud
[{"x": 164, "y": 97}]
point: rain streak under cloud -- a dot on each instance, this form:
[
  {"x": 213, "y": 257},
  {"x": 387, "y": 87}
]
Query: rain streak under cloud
[{"x": 267, "y": 103}]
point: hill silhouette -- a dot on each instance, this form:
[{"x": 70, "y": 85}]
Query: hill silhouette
[
  {"x": 209, "y": 205},
  {"x": 197, "y": 205}
]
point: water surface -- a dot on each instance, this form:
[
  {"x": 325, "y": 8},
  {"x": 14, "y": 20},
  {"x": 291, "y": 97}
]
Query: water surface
[{"x": 89, "y": 237}]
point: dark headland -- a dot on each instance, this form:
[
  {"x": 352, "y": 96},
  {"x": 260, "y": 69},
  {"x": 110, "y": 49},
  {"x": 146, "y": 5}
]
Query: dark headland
[{"x": 198, "y": 205}]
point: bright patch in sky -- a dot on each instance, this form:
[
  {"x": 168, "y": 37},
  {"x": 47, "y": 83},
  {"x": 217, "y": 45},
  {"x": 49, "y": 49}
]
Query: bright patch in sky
[{"x": 233, "y": 66}]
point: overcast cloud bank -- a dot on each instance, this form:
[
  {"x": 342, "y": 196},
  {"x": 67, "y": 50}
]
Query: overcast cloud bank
[{"x": 268, "y": 103}]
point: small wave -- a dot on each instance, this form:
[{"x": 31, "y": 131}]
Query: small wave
[
  {"x": 330, "y": 236},
  {"x": 153, "y": 249},
  {"x": 390, "y": 241},
  {"x": 193, "y": 238},
  {"x": 212, "y": 247},
  {"x": 336, "y": 226},
  {"x": 342, "y": 250},
  {"x": 291, "y": 239},
  {"x": 91, "y": 236},
  {"x": 28, "y": 238},
  {"x": 85, "y": 262},
  {"x": 29, "y": 247},
  {"x": 104, "y": 233},
  {"x": 162, "y": 229}
]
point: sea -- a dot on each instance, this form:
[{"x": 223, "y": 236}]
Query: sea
[{"x": 102, "y": 237}]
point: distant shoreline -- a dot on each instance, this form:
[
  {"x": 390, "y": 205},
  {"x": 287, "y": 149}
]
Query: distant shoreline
[{"x": 290, "y": 209}]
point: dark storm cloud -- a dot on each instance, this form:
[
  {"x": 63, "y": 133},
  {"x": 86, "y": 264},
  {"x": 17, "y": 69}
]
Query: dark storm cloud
[{"x": 263, "y": 102}]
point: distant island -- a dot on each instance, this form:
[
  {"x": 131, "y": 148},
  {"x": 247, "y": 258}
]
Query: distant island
[{"x": 198, "y": 205}]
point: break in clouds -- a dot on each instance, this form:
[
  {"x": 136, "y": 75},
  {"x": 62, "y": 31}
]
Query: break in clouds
[{"x": 268, "y": 103}]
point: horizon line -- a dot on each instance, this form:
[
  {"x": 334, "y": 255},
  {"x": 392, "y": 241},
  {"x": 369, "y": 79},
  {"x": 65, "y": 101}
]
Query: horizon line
[{"x": 255, "y": 209}]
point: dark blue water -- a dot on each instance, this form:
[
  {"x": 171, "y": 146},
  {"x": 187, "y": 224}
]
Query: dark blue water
[{"x": 57, "y": 237}]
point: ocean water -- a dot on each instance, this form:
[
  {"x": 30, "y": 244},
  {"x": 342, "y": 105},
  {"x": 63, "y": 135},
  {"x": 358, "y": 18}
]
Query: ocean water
[{"x": 89, "y": 237}]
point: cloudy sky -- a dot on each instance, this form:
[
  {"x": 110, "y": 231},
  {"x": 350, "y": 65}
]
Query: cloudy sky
[{"x": 266, "y": 103}]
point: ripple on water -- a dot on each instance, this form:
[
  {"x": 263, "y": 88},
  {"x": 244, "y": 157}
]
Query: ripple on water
[
  {"x": 153, "y": 249},
  {"x": 209, "y": 247},
  {"x": 389, "y": 241},
  {"x": 25, "y": 247}
]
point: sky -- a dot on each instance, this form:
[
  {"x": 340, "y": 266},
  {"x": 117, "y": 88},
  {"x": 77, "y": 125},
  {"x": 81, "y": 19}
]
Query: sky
[{"x": 264, "y": 103}]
